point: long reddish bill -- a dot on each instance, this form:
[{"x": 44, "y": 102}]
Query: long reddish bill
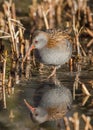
[
  {"x": 28, "y": 52},
  {"x": 32, "y": 109}
]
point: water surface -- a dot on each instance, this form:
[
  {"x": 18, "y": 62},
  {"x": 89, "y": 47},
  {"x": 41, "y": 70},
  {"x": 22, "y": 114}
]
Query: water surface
[{"x": 17, "y": 116}]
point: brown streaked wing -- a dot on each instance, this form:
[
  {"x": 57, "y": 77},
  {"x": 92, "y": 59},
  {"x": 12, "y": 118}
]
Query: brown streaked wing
[
  {"x": 55, "y": 38},
  {"x": 55, "y": 113}
]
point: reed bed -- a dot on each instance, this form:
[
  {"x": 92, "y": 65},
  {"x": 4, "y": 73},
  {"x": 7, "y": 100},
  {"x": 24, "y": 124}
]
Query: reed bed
[
  {"x": 75, "y": 121},
  {"x": 46, "y": 14}
]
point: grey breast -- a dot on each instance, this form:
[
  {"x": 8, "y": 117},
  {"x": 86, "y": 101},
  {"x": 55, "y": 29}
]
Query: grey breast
[
  {"x": 57, "y": 97},
  {"x": 57, "y": 55}
]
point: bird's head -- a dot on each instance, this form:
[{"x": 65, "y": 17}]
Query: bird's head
[
  {"x": 39, "y": 40},
  {"x": 38, "y": 114}
]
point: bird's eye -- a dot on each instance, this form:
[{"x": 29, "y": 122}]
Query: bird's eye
[
  {"x": 36, "y": 41},
  {"x": 36, "y": 114}
]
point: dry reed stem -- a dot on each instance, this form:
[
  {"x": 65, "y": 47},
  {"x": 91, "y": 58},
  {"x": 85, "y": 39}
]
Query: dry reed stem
[
  {"x": 27, "y": 70},
  {"x": 85, "y": 99},
  {"x": 73, "y": 16},
  {"x": 11, "y": 17},
  {"x": 22, "y": 49},
  {"x": 75, "y": 85},
  {"x": 87, "y": 121},
  {"x": 91, "y": 83},
  {"x": 9, "y": 84},
  {"x": 5, "y": 37},
  {"x": 89, "y": 32},
  {"x": 90, "y": 19},
  {"x": 16, "y": 38},
  {"x": 13, "y": 11},
  {"x": 22, "y": 40},
  {"x": 74, "y": 92},
  {"x": 90, "y": 43},
  {"x": 27, "y": 45},
  {"x": 11, "y": 115},
  {"x": 69, "y": 2},
  {"x": 33, "y": 59},
  {"x": 11, "y": 32},
  {"x": 0, "y": 80},
  {"x": 17, "y": 22},
  {"x": 21, "y": 31},
  {"x": 85, "y": 90},
  {"x": 76, "y": 28},
  {"x": 78, "y": 45},
  {"x": 34, "y": 2},
  {"x": 3, "y": 83},
  {"x": 6, "y": 8},
  {"x": 77, "y": 34},
  {"x": 66, "y": 123},
  {"x": 10, "y": 2},
  {"x": 75, "y": 121},
  {"x": 45, "y": 17},
  {"x": 59, "y": 9},
  {"x": 84, "y": 53},
  {"x": 2, "y": 31},
  {"x": 17, "y": 79},
  {"x": 51, "y": 15},
  {"x": 71, "y": 61}
]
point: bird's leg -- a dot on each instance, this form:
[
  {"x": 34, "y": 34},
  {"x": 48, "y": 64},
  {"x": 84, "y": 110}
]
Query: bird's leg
[{"x": 53, "y": 72}]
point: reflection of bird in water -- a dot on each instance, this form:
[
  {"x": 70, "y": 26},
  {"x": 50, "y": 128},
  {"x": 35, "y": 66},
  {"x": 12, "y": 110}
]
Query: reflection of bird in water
[
  {"x": 51, "y": 47},
  {"x": 54, "y": 103}
]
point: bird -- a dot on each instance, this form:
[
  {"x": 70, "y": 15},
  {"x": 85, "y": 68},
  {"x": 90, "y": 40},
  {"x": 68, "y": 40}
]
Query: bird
[
  {"x": 51, "y": 47},
  {"x": 53, "y": 105}
]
